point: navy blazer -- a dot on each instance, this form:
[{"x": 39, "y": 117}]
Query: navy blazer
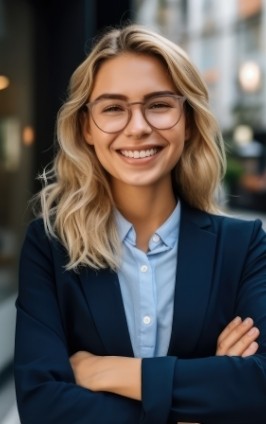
[{"x": 221, "y": 273}]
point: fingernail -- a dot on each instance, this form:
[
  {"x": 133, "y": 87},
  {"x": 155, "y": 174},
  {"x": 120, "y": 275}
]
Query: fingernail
[
  {"x": 237, "y": 320},
  {"x": 248, "y": 321},
  {"x": 253, "y": 331}
]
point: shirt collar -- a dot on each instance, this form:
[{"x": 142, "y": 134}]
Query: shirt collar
[
  {"x": 168, "y": 231},
  {"x": 123, "y": 225}
]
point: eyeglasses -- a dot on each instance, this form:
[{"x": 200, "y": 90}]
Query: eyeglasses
[{"x": 160, "y": 112}]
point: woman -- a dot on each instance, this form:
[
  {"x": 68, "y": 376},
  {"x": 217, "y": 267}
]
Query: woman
[{"x": 138, "y": 302}]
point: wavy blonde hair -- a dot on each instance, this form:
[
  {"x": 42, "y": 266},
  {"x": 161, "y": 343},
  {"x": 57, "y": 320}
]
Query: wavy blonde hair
[{"x": 76, "y": 200}]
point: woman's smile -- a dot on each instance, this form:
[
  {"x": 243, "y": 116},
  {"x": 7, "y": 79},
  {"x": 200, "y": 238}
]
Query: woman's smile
[{"x": 139, "y": 154}]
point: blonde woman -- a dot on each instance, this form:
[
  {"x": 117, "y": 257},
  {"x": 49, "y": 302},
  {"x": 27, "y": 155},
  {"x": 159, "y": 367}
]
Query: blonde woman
[{"x": 138, "y": 301}]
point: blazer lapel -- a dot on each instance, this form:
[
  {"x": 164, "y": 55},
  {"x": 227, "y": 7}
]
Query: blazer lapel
[
  {"x": 196, "y": 253},
  {"x": 104, "y": 298}
]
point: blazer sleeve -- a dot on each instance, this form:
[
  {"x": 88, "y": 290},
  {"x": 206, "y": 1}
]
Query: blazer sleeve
[
  {"x": 45, "y": 385},
  {"x": 220, "y": 390}
]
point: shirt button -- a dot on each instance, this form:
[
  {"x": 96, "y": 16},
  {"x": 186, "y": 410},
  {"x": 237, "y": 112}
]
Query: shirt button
[
  {"x": 144, "y": 268},
  {"x": 147, "y": 320},
  {"x": 156, "y": 238}
]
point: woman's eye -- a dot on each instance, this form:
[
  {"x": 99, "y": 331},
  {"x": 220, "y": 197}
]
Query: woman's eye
[
  {"x": 113, "y": 109},
  {"x": 159, "y": 105}
]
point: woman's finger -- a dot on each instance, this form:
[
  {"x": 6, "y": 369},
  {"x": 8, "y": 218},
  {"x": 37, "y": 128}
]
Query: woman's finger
[
  {"x": 227, "y": 330},
  {"x": 251, "y": 350},
  {"x": 237, "y": 338},
  {"x": 232, "y": 334}
]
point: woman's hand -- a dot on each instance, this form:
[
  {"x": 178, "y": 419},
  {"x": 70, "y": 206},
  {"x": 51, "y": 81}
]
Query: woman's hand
[
  {"x": 113, "y": 374},
  {"x": 238, "y": 338}
]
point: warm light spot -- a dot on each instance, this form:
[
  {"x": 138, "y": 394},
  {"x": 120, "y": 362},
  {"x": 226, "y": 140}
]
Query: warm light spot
[
  {"x": 250, "y": 76},
  {"x": 4, "y": 82},
  {"x": 243, "y": 135},
  {"x": 28, "y": 135}
]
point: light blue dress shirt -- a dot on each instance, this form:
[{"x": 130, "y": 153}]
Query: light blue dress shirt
[{"x": 147, "y": 282}]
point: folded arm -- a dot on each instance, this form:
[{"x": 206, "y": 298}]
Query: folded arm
[{"x": 123, "y": 375}]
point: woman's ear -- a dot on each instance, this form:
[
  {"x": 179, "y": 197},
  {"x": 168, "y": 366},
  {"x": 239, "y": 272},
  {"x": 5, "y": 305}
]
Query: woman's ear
[{"x": 86, "y": 131}]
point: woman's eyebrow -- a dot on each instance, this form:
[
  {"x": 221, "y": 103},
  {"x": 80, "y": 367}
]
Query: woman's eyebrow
[
  {"x": 159, "y": 93},
  {"x": 110, "y": 96},
  {"x": 123, "y": 97}
]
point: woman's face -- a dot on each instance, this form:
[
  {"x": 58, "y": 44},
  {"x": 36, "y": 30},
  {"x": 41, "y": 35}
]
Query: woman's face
[{"x": 137, "y": 155}]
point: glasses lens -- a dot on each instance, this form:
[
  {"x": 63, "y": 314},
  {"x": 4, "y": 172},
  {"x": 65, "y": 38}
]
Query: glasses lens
[
  {"x": 164, "y": 111},
  {"x": 110, "y": 115}
]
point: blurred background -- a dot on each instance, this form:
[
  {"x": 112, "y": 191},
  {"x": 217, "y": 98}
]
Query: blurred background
[{"x": 42, "y": 42}]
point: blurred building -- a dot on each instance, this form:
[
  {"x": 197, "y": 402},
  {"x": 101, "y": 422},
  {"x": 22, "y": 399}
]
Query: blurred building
[
  {"x": 41, "y": 43},
  {"x": 227, "y": 42}
]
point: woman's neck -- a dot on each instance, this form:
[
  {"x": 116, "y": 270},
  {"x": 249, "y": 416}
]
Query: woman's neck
[{"x": 147, "y": 208}]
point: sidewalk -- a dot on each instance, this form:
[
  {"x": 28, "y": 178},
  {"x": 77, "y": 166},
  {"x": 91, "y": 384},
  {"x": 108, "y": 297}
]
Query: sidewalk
[
  {"x": 12, "y": 416},
  {"x": 8, "y": 408}
]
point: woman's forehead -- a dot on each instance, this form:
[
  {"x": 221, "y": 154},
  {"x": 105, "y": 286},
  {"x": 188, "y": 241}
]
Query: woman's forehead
[{"x": 131, "y": 73}]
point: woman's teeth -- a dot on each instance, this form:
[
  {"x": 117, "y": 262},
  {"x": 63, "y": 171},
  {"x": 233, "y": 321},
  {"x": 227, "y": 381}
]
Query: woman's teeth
[{"x": 136, "y": 154}]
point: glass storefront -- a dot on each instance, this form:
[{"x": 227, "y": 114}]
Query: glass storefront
[
  {"x": 16, "y": 146},
  {"x": 16, "y": 134}
]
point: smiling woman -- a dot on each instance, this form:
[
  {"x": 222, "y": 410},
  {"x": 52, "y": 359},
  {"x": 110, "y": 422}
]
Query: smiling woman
[{"x": 136, "y": 295}]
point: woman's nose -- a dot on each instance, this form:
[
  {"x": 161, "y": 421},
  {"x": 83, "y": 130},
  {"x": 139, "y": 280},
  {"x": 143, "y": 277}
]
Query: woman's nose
[{"x": 137, "y": 125}]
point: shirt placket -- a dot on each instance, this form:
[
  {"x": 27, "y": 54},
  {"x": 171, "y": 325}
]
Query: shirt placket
[{"x": 147, "y": 313}]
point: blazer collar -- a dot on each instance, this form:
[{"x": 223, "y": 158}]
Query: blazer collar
[{"x": 196, "y": 254}]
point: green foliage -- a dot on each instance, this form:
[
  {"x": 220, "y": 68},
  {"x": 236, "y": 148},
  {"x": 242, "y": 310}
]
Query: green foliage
[{"x": 234, "y": 171}]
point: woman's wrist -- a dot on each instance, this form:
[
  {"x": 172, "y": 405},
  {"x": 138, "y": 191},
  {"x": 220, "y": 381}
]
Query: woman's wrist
[{"x": 122, "y": 376}]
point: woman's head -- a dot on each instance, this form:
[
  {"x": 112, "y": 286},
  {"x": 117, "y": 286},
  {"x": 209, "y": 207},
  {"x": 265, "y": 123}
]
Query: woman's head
[
  {"x": 201, "y": 164},
  {"x": 78, "y": 204}
]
